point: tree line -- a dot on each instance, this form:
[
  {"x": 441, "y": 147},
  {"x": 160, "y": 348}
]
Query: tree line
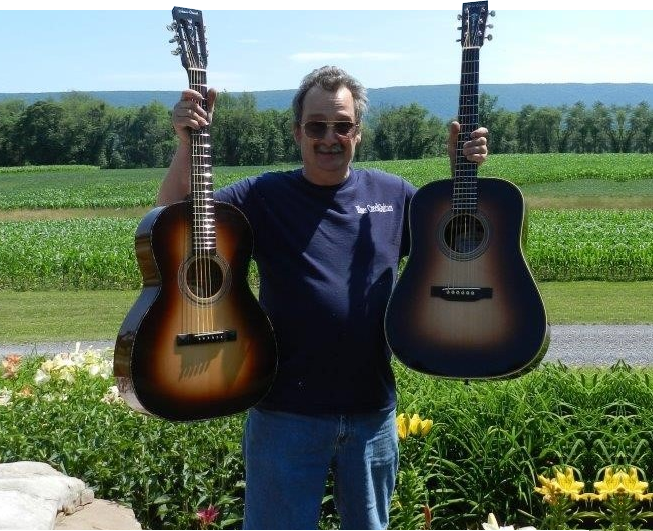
[{"x": 79, "y": 129}]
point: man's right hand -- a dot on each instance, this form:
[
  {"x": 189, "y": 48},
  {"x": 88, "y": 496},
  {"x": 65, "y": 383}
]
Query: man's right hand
[{"x": 188, "y": 112}]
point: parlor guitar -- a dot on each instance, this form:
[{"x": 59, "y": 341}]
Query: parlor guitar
[
  {"x": 466, "y": 305},
  {"x": 195, "y": 344}
]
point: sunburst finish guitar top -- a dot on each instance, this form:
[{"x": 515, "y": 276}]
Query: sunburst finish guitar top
[
  {"x": 466, "y": 305},
  {"x": 196, "y": 344}
]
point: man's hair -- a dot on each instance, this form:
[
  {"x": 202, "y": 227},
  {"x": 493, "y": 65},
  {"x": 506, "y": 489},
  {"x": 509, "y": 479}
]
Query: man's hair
[{"x": 330, "y": 78}]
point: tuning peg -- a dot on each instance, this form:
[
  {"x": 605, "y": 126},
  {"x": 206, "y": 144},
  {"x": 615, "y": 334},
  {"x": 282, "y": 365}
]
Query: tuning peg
[
  {"x": 176, "y": 52},
  {"x": 172, "y": 27},
  {"x": 459, "y": 28},
  {"x": 460, "y": 17},
  {"x": 490, "y": 26},
  {"x": 492, "y": 13},
  {"x": 489, "y": 37},
  {"x": 175, "y": 39}
]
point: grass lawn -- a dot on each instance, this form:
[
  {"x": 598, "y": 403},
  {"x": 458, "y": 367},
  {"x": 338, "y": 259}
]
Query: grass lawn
[{"x": 30, "y": 316}]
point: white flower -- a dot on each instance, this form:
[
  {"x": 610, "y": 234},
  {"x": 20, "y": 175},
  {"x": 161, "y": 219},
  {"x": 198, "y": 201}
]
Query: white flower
[
  {"x": 112, "y": 395},
  {"x": 5, "y": 396},
  {"x": 41, "y": 376},
  {"x": 493, "y": 524}
]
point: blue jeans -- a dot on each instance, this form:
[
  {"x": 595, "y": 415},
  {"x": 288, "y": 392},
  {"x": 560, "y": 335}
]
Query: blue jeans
[{"x": 288, "y": 458}]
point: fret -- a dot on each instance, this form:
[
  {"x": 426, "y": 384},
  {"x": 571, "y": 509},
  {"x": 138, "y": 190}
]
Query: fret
[
  {"x": 203, "y": 229},
  {"x": 466, "y": 172}
]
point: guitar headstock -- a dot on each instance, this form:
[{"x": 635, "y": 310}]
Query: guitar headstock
[
  {"x": 474, "y": 22},
  {"x": 189, "y": 29}
]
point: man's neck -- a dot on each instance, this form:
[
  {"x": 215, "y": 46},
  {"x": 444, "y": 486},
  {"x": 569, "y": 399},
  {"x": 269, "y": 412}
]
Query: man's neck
[{"x": 326, "y": 179}]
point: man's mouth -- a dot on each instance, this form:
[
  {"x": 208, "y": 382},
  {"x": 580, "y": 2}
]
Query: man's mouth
[{"x": 329, "y": 150}]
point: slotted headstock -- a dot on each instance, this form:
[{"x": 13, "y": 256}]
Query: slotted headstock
[
  {"x": 189, "y": 29},
  {"x": 474, "y": 22}
]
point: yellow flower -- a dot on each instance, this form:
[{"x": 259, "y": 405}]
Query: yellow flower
[
  {"x": 568, "y": 485},
  {"x": 549, "y": 489},
  {"x": 632, "y": 484},
  {"x": 402, "y": 425},
  {"x": 610, "y": 485},
  {"x": 425, "y": 427},
  {"x": 414, "y": 424}
]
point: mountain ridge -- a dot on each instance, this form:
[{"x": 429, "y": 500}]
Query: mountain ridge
[{"x": 439, "y": 100}]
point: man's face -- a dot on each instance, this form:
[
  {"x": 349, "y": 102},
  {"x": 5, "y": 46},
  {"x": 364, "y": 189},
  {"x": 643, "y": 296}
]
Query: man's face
[{"x": 326, "y": 160}]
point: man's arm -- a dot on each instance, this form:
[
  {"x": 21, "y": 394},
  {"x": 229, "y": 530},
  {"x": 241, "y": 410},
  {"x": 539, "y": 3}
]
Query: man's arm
[{"x": 187, "y": 114}]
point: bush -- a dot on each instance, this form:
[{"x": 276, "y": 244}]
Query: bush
[{"x": 488, "y": 442}]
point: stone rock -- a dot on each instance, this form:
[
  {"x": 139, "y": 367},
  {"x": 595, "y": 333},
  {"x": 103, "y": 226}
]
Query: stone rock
[
  {"x": 43, "y": 481},
  {"x": 100, "y": 514},
  {"x": 34, "y": 495},
  {"x": 26, "y": 511}
]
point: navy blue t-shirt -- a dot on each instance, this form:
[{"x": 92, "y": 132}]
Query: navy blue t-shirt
[{"x": 327, "y": 258}]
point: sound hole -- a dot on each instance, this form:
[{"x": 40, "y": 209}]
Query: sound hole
[
  {"x": 204, "y": 278},
  {"x": 464, "y": 236}
]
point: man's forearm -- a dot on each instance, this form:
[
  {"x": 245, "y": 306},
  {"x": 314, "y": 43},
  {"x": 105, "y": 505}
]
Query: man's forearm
[{"x": 176, "y": 185}]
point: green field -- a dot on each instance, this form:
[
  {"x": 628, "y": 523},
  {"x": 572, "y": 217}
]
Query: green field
[
  {"x": 67, "y": 236},
  {"x": 55, "y": 188}
]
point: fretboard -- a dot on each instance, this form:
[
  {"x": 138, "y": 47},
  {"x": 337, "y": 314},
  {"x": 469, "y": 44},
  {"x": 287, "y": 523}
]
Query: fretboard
[
  {"x": 203, "y": 230},
  {"x": 465, "y": 197}
]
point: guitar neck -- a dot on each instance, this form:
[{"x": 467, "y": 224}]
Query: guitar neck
[
  {"x": 203, "y": 231},
  {"x": 466, "y": 172}
]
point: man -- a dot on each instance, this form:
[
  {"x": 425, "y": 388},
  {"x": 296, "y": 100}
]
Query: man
[{"x": 327, "y": 242}]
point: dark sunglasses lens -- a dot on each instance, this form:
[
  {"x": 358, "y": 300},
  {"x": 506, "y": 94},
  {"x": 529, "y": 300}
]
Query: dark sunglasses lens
[
  {"x": 315, "y": 129},
  {"x": 344, "y": 128}
]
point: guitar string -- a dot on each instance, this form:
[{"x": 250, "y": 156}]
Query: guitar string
[
  {"x": 452, "y": 236},
  {"x": 200, "y": 277},
  {"x": 459, "y": 237},
  {"x": 457, "y": 233},
  {"x": 206, "y": 279},
  {"x": 466, "y": 194}
]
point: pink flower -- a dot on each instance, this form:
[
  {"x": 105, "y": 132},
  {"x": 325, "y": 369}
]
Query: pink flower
[{"x": 207, "y": 516}]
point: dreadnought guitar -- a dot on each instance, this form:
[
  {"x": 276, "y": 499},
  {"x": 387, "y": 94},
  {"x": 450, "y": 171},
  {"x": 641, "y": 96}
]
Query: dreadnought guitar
[
  {"x": 466, "y": 305},
  {"x": 196, "y": 344}
]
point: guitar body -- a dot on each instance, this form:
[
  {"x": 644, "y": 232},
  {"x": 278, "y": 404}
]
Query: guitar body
[
  {"x": 466, "y": 305},
  {"x": 196, "y": 344}
]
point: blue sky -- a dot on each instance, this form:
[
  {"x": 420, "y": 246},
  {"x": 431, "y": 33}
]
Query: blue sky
[{"x": 124, "y": 45}]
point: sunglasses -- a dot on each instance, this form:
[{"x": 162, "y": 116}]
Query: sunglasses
[{"x": 317, "y": 129}]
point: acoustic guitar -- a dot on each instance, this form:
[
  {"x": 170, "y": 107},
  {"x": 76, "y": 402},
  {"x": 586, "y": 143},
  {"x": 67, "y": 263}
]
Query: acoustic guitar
[
  {"x": 466, "y": 305},
  {"x": 196, "y": 344}
]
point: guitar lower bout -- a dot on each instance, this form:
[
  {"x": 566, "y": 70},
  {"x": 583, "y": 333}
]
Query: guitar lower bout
[
  {"x": 196, "y": 344},
  {"x": 466, "y": 305}
]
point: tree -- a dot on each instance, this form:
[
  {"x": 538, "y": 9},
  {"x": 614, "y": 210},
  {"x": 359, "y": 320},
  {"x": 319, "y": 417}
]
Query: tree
[
  {"x": 578, "y": 125},
  {"x": 500, "y": 124},
  {"x": 524, "y": 123},
  {"x": 86, "y": 125},
  {"x": 641, "y": 125},
  {"x": 545, "y": 129},
  {"x": 148, "y": 139},
  {"x": 39, "y": 135},
  {"x": 10, "y": 112},
  {"x": 406, "y": 133}
]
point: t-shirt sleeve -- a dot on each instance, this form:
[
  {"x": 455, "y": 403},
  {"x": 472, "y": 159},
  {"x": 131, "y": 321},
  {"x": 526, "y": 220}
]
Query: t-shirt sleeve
[
  {"x": 405, "y": 236},
  {"x": 241, "y": 195}
]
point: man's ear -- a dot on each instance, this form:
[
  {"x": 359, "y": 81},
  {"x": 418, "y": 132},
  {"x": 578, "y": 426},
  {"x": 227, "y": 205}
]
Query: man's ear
[
  {"x": 297, "y": 133},
  {"x": 359, "y": 136}
]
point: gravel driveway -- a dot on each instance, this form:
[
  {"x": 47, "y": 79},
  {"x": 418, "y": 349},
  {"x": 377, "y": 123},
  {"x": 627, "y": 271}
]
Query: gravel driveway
[{"x": 573, "y": 345}]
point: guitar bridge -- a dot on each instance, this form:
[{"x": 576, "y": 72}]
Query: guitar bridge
[
  {"x": 461, "y": 294},
  {"x": 220, "y": 336}
]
